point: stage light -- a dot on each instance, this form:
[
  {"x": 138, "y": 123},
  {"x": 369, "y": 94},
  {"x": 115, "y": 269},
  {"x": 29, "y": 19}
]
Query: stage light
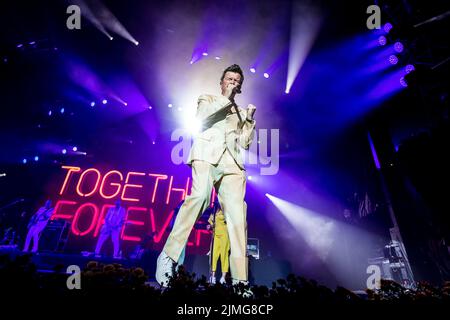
[
  {"x": 19, "y": 45},
  {"x": 2, "y": 174},
  {"x": 191, "y": 62},
  {"x": 50, "y": 113},
  {"x": 150, "y": 107},
  {"x": 180, "y": 108},
  {"x": 205, "y": 54},
  {"x": 393, "y": 59},
  {"x": 153, "y": 142},
  {"x": 266, "y": 75},
  {"x": 398, "y": 46},
  {"x": 250, "y": 178},
  {"x": 75, "y": 149},
  {"x": 62, "y": 110},
  {"x": 382, "y": 40},
  {"x": 92, "y": 104},
  {"x": 104, "y": 101},
  {"x": 286, "y": 91},
  {"x": 84, "y": 153},
  {"x": 403, "y": 82},
  {"x": 136, "y": 43},
  {"x": 387, "y": 27},
  {"x": 409, "y": 68},
  {"x": 170, "y": 105},
  {"x": 217, "y": 58},
  {"x": 32, "y": 43},
  {"x": 111, "y": 38},
  {"x": 125, "y": 104},
  {"x": 24, "y": 161},
  {"x": 252, "y": 70},
  {"x": 36, "y": 158},
  {"x": 64, "y": 151}
]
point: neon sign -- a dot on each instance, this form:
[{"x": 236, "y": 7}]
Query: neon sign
[{"x": 149, "y": 198}]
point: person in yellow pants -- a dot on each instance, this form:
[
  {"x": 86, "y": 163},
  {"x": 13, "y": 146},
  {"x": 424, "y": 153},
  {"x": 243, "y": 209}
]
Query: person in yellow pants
[{"x": 221, "y": 243}]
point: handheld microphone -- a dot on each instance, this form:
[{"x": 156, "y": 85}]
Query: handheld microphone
[{"x": 237, "y": 89}]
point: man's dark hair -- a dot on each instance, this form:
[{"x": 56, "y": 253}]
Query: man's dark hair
[{"x": 233, "y": 68}]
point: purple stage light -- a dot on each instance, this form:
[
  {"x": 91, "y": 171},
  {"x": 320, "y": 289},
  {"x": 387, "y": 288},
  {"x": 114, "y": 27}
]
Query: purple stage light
[
  {"x": 32, "y": 42},
  {"x": 19, "y": 45},
  {"x": 393, "y": 59},
  {"x": 153, "y": 142},
  {"x": 286, "y": 91},
  {"x": 387, "y": 27},
  {"x": 125, "y": 104},
  {"x": 217, "y": 58},
  {"x": 382, "y": 40},
  {"x": 104, "y": 101},
  {"x": 64, "y": 151},
  {"x": 398, "y": 46},
  {"x": 170, "y": 105},
  {"x": 403, "y": 82},
  {"x": 36, "y": 158},
  {"x": 205, "y": 54},
  {"x": 74, "y": 149},
  {"x": 266, "y": 75},
  {"x": 409, "y": 68},
  {"x": 150, "y": 107},
  {"x": 92, "y": 104},
  {"x": 50, "y": 113},
  {"x": 62, "y": 110},
  {"x": 252, "y": 70},
  {"x": 24, "y": 161}
]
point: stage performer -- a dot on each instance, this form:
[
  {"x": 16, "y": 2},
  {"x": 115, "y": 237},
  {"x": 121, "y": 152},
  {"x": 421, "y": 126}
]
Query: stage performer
[
  {"x": 37, "y": 224},
  {"x": 114, "y": 221}
]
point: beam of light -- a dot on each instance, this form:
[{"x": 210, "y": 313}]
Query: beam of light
[
  {"x": 317, "y": 231},
  {"x": 305, "y": 23}
]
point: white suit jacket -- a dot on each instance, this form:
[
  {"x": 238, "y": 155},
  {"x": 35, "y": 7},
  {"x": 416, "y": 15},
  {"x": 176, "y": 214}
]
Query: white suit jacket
[{"x": 221, "y": 130}]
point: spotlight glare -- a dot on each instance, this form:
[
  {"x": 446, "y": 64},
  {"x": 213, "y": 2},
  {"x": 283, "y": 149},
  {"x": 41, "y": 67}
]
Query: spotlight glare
[
  {"x": 111, "y": 38},
  {"x": 252, "y": 70},
  {"x": 153, "y": 142},
  {"x": 266, "y": 75},
  {"x": 205, "y": 54},
  {"x": 50, "y": 113},
  {"x": 104, "y": 101},
  {"x": 136, "y": 43},
  {"x": 125, "y": 104},
  {"x": 64, "y": 151},
  {"x": 92, "y": 104},
  {"x": 286, "y": 91},
  {"x": 170, "y": 105},
  {"x": 382, "y": 40},
  {"x": 387, "y": 27},
  {"x": 62, "y": 110},
  {"x": 217, "y": 58},
  {"x": 75, "y": 149},
  {"x": 36, "y": 158},
  {"x": 24, "y": 161},
  {"x": 409, "y": 68},
  {"x": 250, "y": 178},
  {"x": 150, "y": 107}
]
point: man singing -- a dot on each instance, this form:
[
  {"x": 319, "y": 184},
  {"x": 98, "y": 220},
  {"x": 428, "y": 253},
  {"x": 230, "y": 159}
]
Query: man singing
[{"x": 216, "y": 160}]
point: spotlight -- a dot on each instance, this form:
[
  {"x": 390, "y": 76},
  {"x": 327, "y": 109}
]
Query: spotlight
[
  {"x": 150, "y": 107},
  {"x": 136, "y": 43},
  {"x": 64, "y": 151},
  {"x": 393, "y": 59},
  {"x": 19, "y": 45},
  {"x": 250, "y": 178},
  {"x": 104, "y": 101},
  {"x": 62, "y": 110},
  {"x": 153, "y": 142},
  {"x": 286, "y": 91},
  {"x": 252, "y": 70},
  {"x": 266, "y": 75},
  {"x": 180, "y": 108},
  {"x": 92, "y": 104},
  {"x": 2, "y": 174},
  {"x": 217, "y": 58},
  {"x": 382, "y": 40},
  {"x": 111, "y": 38},
  {"x": 84, "y": 153},
  {"x": 387, "y": 27},
  {"x": 398, "y": 46},
  {"x": 191, "y": 62},
  {"x": 75, "y": 149},
  {"x": 125, "y": 104},
  {"x": 409, "y": 68},
  {"x": 205, "y": 54},
  {"x": 24, "y": 161},
  {"x": 170, "y": 105},
  {"x": 32, "y": 43},
  {"x": 50, "y": 113},
  {"x": 36, "y": 158}
]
